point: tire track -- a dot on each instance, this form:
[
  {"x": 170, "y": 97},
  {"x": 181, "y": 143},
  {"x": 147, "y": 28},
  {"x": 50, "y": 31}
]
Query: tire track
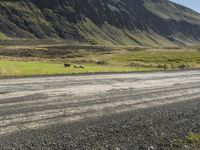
[{"x": 68, "y": 99}]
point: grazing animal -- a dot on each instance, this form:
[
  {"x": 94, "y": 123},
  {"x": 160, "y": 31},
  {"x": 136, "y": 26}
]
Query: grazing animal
[
  {"x": 67, "y": 65},
  {"x": 79, "y": 66}
]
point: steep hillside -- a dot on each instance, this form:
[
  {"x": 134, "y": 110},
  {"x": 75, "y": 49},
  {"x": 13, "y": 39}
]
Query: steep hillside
[{"x": 126, "y": 22}]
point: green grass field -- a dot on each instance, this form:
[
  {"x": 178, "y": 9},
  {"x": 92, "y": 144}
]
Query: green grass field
[
  {"x": 41, "y": 58},
  {"x": 16, "y": 68},
  {"x": 160, "y": 57}
]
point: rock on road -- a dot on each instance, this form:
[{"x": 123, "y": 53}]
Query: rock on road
[{"x": 99, "y": 111}]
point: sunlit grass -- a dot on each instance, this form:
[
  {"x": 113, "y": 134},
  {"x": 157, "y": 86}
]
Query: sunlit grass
[
  {"x": 102, "y": 59},
  {"x": 15, "y": 68},
  {"x": 3, "y": 36},
  {"x": 193, "y": 138},
  {"x": 161, "y": 56},
  {"x": 190, "y": 142}
]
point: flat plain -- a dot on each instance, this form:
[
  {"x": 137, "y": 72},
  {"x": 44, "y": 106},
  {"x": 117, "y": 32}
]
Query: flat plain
[{"x": 46, "y": 57}]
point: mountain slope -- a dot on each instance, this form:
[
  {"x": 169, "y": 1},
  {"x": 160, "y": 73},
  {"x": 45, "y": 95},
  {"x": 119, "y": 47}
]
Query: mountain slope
[{"x": 126, "y": 22}]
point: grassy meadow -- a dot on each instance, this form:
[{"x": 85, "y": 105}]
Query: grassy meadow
[
  {"x": 160, "y": 57},
  {"x": 44, "y": 58},
  {"x": 17, "y": 68}
]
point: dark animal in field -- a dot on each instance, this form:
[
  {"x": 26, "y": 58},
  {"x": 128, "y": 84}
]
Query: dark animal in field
[
  {"x": 67, "y": 65},
  {"x": 79, "y": 66}
]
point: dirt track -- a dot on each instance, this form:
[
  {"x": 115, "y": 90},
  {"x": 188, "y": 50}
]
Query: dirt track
[{"x": 126, "y": 111}]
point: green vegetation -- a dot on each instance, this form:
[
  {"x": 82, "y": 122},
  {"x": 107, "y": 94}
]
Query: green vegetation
[
  {"x": 193, "y": 138},
  {"x": 190, "y": 142},
  {"x": 31, "y": 58},
  {"x": 160, "y": 58},
  {"x": 15, "y": 68},
  {"x": 3, "y": 36},
  {"x": 111, "y": 35}
]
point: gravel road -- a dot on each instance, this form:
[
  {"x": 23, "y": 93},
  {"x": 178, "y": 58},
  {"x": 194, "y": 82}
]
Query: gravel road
[{"x": 103, "y": 111}]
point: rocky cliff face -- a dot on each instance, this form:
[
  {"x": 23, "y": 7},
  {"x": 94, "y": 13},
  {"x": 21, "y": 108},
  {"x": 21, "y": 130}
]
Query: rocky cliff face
[{"x": 145, "y": 22}]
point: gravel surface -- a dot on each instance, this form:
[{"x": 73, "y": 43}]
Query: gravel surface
[{"x": 113, "y": 111}]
